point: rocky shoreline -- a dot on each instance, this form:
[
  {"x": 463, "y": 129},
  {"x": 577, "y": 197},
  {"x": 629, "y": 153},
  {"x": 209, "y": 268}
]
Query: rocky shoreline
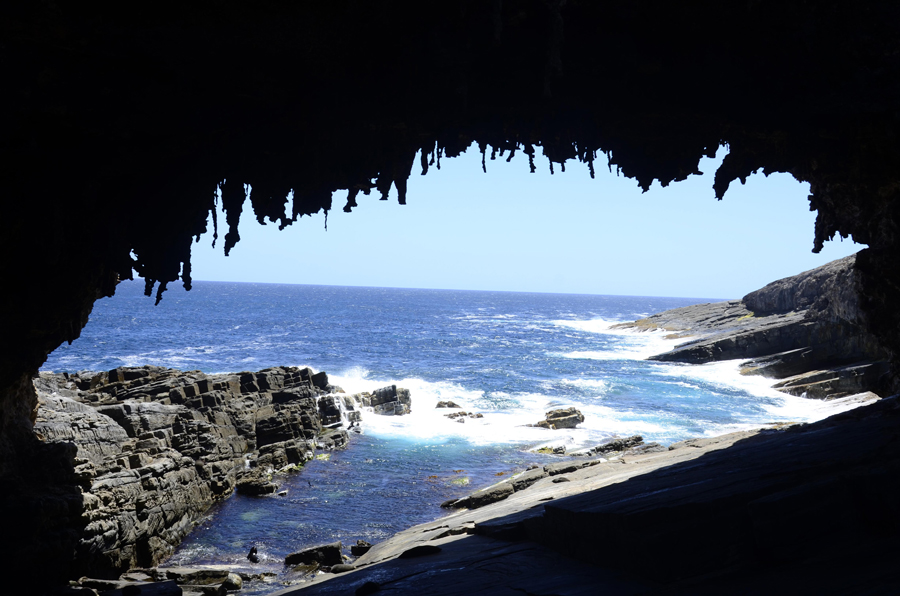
[
  {"x": 799, "y": 508},
  {"x": 775, "y": 510},
  {"x": 807, "y": 331},
  {"x": 153, "y": 448},
  {"x": 157, "y": 447}
]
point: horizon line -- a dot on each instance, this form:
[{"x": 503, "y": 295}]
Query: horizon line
[{"x": 271, "y": 283}]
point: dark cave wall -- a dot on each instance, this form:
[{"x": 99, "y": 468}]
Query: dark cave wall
[{"x": 122, "y": 120}]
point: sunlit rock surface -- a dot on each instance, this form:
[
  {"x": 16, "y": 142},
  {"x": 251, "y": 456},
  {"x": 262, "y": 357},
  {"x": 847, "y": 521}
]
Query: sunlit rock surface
[
  {"x": 157, "y": 447},
  {"x": 807, "y": 330}
]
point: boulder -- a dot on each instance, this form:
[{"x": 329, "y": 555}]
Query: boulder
[
  {"x": 527, "y": 478},
  {"x": 562, "y": 418},
  {"x": 360, "y": 548},
  {"x": 324, "y": 555},
  {"x": 489, "y": 495},
  {"x": 617, "y": 445},
  {"x": 388, "y": 401},
  {"x": 233, "y": 582},
  {"x": 447, "y": 404},
  {"x": 255, "y": 484},
  {"x": 335, "y": 439}
]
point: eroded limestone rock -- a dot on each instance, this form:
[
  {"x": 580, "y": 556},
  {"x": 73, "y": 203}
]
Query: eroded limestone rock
[
  {"x": 156, "y": 447},
  {"x": 561, "y": 418}
]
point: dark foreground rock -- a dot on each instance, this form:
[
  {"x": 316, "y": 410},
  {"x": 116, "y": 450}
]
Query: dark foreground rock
[
  {"x": 807, "y": 329},
  {"x": 324, "y": 555},
  {"x": 805, "y": 509},
  {"x": 170, "y": 581},
  {"x": 154, "y": 448}
]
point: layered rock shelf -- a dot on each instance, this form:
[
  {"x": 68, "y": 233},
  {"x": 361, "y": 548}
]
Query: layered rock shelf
[
  {"x": 806, "y": 330},
  {"x": 154, "y": 448},
  {"x": 788, "y": 509}
]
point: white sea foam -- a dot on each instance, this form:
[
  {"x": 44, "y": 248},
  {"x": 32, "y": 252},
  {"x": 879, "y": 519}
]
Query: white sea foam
[
  {"x": 779, "y": 406},
  {"x": 589, "y": 325},
  {"x": 504, "y": 416},
  {"x": 637, "y": 345},
  {"x": 630, "y": 345},
  {"x": 811, "y": 410},
  {"x": 725, "y": 374}
]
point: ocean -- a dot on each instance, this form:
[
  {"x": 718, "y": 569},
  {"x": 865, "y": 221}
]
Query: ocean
[{"x": 510, "y": 356}]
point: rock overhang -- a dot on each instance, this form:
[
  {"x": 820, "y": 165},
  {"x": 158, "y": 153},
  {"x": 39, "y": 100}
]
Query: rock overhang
[{"x": 124, "y": 121}]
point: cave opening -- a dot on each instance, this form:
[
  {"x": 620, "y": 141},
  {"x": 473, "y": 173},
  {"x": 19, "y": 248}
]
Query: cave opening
[{"x": 121, "y": 120}]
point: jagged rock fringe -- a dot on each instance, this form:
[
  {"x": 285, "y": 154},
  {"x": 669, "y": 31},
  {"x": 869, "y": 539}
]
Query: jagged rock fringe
[{"x": 120, "y": 122}]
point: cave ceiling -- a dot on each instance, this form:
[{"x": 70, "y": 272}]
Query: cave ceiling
[{"x": 122, "y": 120}]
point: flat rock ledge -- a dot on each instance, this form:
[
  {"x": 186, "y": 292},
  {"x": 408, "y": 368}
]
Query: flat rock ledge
[
  {"x": 805, "y": 508},
  {"x": 154, "y": 448},
  {"x": 806, "y": 330}
]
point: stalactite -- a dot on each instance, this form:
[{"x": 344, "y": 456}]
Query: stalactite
[
  {"x": 233, "y": 196},
  {"x": 424, "y": 161},
  {"x": 351, "y": 199},
  {"x": 529, "y": 150},
  {"x": 215, "y": 213},
  {"x": 163, "y": 286},
  {"x": 186, "y": 271}
]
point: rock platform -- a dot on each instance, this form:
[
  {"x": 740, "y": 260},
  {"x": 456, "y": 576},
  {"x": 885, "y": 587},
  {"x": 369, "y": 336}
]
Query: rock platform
[
  {"x": 800, "y": 509},
  {"x": 790, "y": 508},
  {"x": 806, "y": 330},
  {"x": 153, "y": 448}
]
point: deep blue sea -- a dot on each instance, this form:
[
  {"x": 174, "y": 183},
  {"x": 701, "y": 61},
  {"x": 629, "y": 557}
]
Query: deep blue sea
[{"x": 510, "y": 356}]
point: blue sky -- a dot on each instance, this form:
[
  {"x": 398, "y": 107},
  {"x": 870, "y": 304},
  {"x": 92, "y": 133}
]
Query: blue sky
[{"x": 512, "y": 230}]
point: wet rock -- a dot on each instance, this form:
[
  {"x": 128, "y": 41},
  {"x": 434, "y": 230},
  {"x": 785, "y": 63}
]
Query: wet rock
[
  {"x": 527, "y": 478},
  {"x": 616, "y": 445},
  {"x": 387, "y": 401},
  {"x": 567, "y": 467},
  {"x": 360, "y": 548},
  {"x": 324, "y": 555},
  {"x": 256, "y": 483},
  {"x": 333, "y": 440},
  {"x": 447, "y": 404},
  {"x": 489, "y": 495},
  {"x": 233, "y": 582},
  {"x": 562, "y": 418}
]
